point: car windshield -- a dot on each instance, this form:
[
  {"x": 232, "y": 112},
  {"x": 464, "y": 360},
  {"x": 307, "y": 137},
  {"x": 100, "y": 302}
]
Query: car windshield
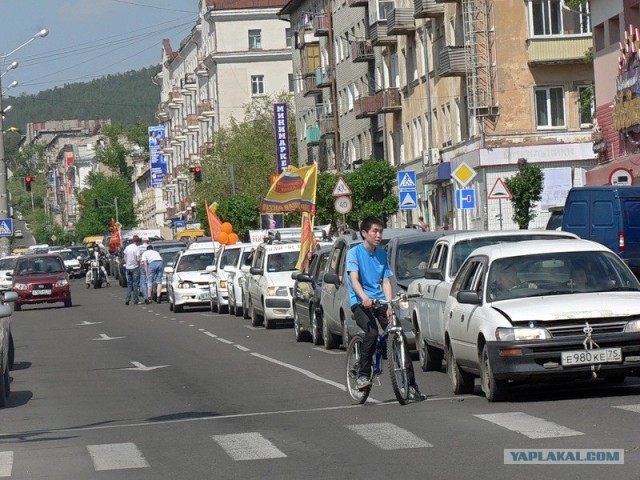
[
  {"x": 168, "y": 256},
  {"x": 229, "y": 257},
  {"x": 79, "y": 251},
  {"x": 411, "y": 259},
  {"x": 246, "y": 257},
  {"x": 282, "y": 262},
  {"x": 196, "y": 262},
  {"x": 38, "y": 266},
  {"x": 67, "y": 255},
  {"x": 556, "y": 273},
  {"x": 8, "y": 263},
  {"x": 464, "y": 248}
]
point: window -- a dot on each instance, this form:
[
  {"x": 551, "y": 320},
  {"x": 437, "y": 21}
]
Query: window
[
  {"x": 552, "y": 17},
  {"x": 549, "y": 107},
  {"x": 257, "y": 84},
  {"x": 288, "y": 38},
  {"x": 312, "y": 58},
  {"x": 585, "y": 105},
  {"x": 292, "y": 84},
  {"x": 255, "y": 39}
]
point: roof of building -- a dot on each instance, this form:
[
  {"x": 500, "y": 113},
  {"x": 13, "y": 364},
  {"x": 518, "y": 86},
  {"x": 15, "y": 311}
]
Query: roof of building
[{"x": 243, "y": 4}]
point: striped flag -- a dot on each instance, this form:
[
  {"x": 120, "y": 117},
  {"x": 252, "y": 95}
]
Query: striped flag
[{"x": 308, "y": 241}]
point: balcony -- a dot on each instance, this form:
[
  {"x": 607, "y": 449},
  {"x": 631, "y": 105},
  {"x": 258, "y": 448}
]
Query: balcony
[
  {"x": 310, "y": 87},
  {"x": 306, "y": 38},
  {"x": 451, "y": 62},
  {"x": 327, "y": 126},
  {"x": 561, "y": 49},
  {"x": 163, "y": 112},
  {"x": 358, "y": 3},
  {"x": 321, "y": 25},
  {"x": 362, "y": 51},
  {"x": 313, "y": 135},
  {"x": 323, "y": 77},
  {"x": 364, "y": 107},
  {"x": 400, "y": 21},
  {"x": 204, "y": 149},
  {"x": 427, "y": 9},
  {"x": 193, "y": 125},
  {"x": 188, "y": 85},
  {"x": 378, "y": 34},
  {"x": 389, "y": 100},
  {"x": 205, "y": 110},
  {"x": 175, "y": 99}
]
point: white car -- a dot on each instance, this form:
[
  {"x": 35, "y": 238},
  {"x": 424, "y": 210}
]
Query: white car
[
  {"x": 71, "y": 263},
  {"x": 538, "y": 311},
  {"x": 7, "y": 265},
  {"x": 270, "y": 285},
  {"x": 188, "y": 279},
  {"x": 228, "y": 261},
  {"x": 7, "y": 349}
]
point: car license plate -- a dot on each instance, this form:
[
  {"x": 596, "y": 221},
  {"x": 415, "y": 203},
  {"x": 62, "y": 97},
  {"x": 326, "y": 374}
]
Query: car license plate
[
  {"x": 41, "y": 292},
  {"x": 588, "y": 357},
  {"x": 204, "y": 296}
]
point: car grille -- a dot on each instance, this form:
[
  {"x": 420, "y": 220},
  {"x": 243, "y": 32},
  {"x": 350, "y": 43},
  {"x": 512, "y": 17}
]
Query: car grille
[
  {"x": 41, "y": 286},
  {"x": 575, "y": 328}
]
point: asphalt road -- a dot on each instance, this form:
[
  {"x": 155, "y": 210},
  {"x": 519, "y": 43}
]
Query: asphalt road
[{"x": 107, "y": 391}]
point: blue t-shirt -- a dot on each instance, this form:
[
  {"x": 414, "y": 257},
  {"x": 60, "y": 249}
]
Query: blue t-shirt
[{"x": 371, "y": 268}]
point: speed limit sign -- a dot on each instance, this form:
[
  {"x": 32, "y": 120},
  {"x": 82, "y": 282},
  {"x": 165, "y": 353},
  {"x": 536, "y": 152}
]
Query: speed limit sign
[{"x": 343, "y": 205}]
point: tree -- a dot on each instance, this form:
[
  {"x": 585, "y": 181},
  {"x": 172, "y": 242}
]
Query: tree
[
  {"x": 526, "y": 190},
  {"x": 114, "y": 154}
]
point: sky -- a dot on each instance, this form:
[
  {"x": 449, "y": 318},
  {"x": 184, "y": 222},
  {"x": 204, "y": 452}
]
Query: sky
[{"x": 87, "y": 38}]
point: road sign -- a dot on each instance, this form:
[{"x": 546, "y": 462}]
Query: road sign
[
  {"x": 408, "y": 200},
  {"x": 6, "y": 227},
  {"x": 406, "y": 180},
  {"x": 463, "y": 174},
  {"x": 53, "y": 238},
  {"x": 341, "y": 189},
  {"x": 343, "y": 205},
  {"x": 466, "y": 198},
  {"x": 499, "y": 191},
  {"x": 178, "y": 223}
]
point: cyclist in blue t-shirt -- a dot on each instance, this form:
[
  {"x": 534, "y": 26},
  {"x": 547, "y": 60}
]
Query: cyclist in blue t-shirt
[{"x": 368, "y": 278}]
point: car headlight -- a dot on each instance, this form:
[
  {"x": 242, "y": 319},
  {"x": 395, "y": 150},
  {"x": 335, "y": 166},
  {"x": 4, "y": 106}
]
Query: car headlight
[
  {"x": 632, "y": 327},
  {"x": 185, "y": 285},
  {"x": 20, "y": 286},
  {"x": 223, "y": 284},
  {"x": 517, "y": 333},
  {"x": 62, "y": 283},
  {"x": 277, "y": 291}
]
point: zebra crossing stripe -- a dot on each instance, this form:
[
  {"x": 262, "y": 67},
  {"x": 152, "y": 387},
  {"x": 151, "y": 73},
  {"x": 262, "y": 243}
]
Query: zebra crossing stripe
[
  {"x": 528, "y": 425},
  {"x": 6, "y": 464},
  {"x": 116, "y": 456},
  {"x": 388, "y": 436},
  {"x": 629, "y": 408},
  {"x": 248, "y": 446}
]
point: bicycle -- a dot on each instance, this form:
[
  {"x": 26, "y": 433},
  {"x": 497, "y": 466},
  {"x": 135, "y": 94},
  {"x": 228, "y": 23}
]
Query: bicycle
[{"x": 397, "y": 355}]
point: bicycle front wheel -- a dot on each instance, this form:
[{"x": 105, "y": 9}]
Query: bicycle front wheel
[
  {"x": 354, "y": 350},
  {"x": 398, "y": 359}
]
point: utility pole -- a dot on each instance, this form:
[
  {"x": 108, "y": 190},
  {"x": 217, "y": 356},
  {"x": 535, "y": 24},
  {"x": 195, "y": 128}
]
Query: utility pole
[{"x": 334, "y": 87}]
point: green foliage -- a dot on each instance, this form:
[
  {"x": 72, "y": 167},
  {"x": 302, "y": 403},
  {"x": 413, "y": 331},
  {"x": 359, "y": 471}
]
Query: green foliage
[
  {"x": 240, "y": 211},
  {"x": 30, "y": 161},
  {"x": 526, "y": 190},
  {"x": 587, "y": 101},
  {"x": 124, "y": 97},
  {"x": 104, "y": 189},
  {"x": 43, "y": 228}
]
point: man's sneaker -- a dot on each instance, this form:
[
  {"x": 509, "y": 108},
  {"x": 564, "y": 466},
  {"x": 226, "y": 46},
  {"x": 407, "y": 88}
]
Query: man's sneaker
[
  {"x": 415, "y": 394},
  {"x": 362, "y": 382}
]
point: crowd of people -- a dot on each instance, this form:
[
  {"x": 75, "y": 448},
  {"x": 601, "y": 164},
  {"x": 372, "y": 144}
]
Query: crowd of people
[{"x": 143, "y": 266}]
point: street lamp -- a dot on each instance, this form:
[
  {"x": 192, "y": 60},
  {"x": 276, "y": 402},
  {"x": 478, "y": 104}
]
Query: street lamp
[{"x": 4, "y": 193}]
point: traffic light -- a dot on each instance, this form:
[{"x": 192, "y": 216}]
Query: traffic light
[
  {"x": 27, "y": 182},
  {"x": 197, "y": 173}
]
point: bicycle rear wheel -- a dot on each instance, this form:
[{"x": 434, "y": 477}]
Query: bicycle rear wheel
[
  {"x": 354, "y": 351},
  {"x": 398, "y": 368}
]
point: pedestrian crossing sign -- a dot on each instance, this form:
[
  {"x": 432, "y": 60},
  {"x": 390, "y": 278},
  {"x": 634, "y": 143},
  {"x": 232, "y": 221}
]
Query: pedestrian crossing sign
[
  {"x": 6, "y": 227},
  {"x": 406, "y": 180},
  {"x": 408, "y": 200}
]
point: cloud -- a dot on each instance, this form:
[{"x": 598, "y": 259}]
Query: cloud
[{"x": 81, "y": 10}]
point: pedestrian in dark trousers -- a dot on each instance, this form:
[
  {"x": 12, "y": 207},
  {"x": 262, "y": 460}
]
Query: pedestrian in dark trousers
[{"x": 132, "y": 266}]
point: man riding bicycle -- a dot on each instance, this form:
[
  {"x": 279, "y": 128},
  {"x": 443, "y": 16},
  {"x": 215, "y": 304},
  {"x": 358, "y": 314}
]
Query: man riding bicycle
[{"x": 368, "y": 276}]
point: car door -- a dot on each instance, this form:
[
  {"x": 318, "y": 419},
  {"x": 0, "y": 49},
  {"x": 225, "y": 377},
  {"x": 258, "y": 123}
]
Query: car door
[
  {"x": 464, "y": 319},
  {"x": 253, "y": 281},
  {"x": 330, "y": 300}
]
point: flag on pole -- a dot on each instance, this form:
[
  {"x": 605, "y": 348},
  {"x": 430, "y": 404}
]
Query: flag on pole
[
  {"x": 215, "y": 224},
  {"x": 308, "y": 242},
  {"x": 293, "y": 191}
]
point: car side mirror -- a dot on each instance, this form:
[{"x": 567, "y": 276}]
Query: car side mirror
[
  {"x": 211, "y": 268},
  {"x": 245, "y": 268},
  {"x": 9, "y": 297},
  {"x": 303, "y": 277},
  {"x": 229, "y": 269},
  {"x": 168, "y": 269},
  {"x": 255, "y": 271},
  {"x": 469, "y": 296},
  {"x": 332, "y": 278},
  {"x": 434, "y": 274}
]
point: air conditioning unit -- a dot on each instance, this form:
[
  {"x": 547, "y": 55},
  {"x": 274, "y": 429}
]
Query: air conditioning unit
[
  {"x": 435, "y": 156},
  {"x": 432, "y": 159}
]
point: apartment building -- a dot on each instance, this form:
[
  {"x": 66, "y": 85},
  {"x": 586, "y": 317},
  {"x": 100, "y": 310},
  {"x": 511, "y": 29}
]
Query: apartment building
[
  {"x": 616, "y": 39},
  {"x": 237, "y": 50}
]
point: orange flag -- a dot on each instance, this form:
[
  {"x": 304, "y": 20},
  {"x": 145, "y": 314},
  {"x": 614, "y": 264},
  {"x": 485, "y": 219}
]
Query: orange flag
[
  {"x": 308, "y": 241},
  {"x": 215, "y": 224}
]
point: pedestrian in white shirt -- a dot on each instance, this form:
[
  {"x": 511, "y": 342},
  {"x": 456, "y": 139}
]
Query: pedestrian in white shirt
[
  {"x": 151, "y": 261},
  {"x": 132, "y": 266}
]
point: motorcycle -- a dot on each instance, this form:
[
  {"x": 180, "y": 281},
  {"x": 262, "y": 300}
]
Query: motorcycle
[{"x": 96, "y": 275}]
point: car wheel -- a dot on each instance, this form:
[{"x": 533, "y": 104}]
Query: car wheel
[
  {"x": 68, "y": 303},
  {"x": 316, "y": 332},
  {"x": 231, "y": 308},
  {"x": 178, "y": 308},
  {"x": 494, "y": 390},
  {"x": 256, "y": 319},
  {"x": 461, "y": 382},
  {"x": 12, "y": 352},
  {"x": 430, "y": 357},
  {"x": 301, "y": 335},
  {"x": 221, "y": 308},
  {"x": 17, "y": 307},
  {"x": 245, "y": 308},
  {"x": 213, "y": 306},
  {"x": 170, "y": 304},
  {"x": 4, "y": 381},
  {"x": 330, "y": 340}
]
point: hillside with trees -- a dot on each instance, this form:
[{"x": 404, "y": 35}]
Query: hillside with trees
[{"x": 126, "y": 97}]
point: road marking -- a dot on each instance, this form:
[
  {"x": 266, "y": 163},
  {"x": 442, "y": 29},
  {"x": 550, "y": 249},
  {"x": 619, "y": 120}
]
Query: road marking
[
  {"x": 301, "y": 370},
  {"x": 104, "y": 336},
  {"x": 329, "y": 352},
  {"x": 6, "y": 464},
  {"x": 248, "y": 446},
  {"x": 388, "y": 436},
  {"x": 192, "y": 325},
  {"x": 629, "y": 408},
  {"x": 212, "y": 335},
  {"x": 86, "y": 323},
  {"x": 240, "y": 347},
  {"x": 224, "y": 340},
  {"x": 143, "y": 368},
  {"x": 528, "y": 425},
  {"x": 116, "y": 456}
]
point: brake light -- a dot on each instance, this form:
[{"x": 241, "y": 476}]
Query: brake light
[{"x": 621, "y": 243}]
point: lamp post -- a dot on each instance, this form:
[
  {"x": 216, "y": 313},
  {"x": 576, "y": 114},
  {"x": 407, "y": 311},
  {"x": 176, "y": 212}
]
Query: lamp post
[{"x": 4, "y": 193}]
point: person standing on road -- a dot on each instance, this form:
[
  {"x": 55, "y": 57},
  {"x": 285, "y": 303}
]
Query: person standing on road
[
  {"x": 152, "y": 262},
  {"x": 132, "y": 266},
  {"x": 143, "y": 273},
  {"x": 369, "y": 280}
]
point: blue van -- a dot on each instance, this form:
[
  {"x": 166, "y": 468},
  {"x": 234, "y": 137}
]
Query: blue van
[{"x": 609, "y": 215}]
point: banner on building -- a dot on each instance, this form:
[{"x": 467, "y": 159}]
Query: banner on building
[
  {"x": 293, "y": 191},
  {"x": 157, "y": 159},
  {"x": 282, "y": 136}
]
